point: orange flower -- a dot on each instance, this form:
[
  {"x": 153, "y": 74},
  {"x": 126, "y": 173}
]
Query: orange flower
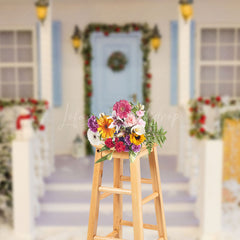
[{"x": 104, "y": 122}]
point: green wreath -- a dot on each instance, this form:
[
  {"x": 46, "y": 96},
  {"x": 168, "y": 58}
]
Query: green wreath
[{"x": 117, "y": 61}]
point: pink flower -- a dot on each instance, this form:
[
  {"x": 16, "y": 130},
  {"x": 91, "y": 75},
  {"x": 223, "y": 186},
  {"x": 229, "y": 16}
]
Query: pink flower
[
  {"x": 130, "y": 120},
  {"x": 141, "y": 122},
  {"x": 140, "y": 113},
  {"x": 122, "y": 108}
]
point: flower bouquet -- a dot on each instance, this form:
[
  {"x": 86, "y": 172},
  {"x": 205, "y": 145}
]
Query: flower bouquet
[{"x": 126, "y": 130}]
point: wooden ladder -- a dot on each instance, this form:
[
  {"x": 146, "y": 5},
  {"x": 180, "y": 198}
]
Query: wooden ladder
[{"x": 100, "y": 192}]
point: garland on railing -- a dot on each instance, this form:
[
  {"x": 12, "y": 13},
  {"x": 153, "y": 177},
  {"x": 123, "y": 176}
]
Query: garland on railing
[
  {"x": 107, "y": 29},
  {"x": 198, "y": 117},
  {"x": 35, "y": 107}
]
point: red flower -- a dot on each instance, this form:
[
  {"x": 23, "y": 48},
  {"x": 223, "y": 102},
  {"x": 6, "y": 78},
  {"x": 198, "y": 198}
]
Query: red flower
[
  {"x": 202, "y": 119},
  {"x": 22, "y": 100},
  {"x": 89, "y": 94},
  {"x": 149, "y": 75},
  {"x": 41, "y": 127},
  {"x": 148, "y": 85},
  {"x": 200, "y": 99},
  {"x": 218, "y": 98},
  {"x": 147, "y": 100},
  {"x": 202, "y": 130},
  {"x": 119, "y": 146},
  {"x": 89, "y": 82},
  {"x": 109, "y": 143},
  {"x": 207, "y": 101}
]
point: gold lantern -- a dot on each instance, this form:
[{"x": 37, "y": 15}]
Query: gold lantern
[
  {"x": 156, "y": 38},
  {"x": 76, "y": 38},
  {"x": 41, "y": 8},
  {"x": 186, "y": 9}
]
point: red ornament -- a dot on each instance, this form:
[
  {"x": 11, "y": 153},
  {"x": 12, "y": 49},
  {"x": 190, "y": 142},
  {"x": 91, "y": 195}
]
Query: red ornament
[
  {"x": 207, "y": 101},
  {"x": 202, "y": 130},
  {"x": 148, "y": 85},
  {"x": 202, "y": 119},
  {"x": 200, "y": 99},
  {"x": 218, "y": 98},
  {"x": 147, "y": 100},
  {"x": 41, "y": 127},
  {"x": 149, "y": 75},
  {"x": 89, "y": 94},
  {"x": 89, "y": 82}
]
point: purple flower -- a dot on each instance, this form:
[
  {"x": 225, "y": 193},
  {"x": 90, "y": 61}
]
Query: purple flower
[
  {"x": 136, "y": 148},
  {"x": 92, "y": 124},
  {"x": 127, "y": 140},
  {"x": 126, "y": 148}
]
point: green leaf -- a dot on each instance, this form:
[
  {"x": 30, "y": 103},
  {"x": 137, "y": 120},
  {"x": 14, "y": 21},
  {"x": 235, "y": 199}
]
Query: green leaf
[
  {"x": 106, "y": 157},
  {"x": 132, "y": 156},
  {"x": 104, "y": 148}
]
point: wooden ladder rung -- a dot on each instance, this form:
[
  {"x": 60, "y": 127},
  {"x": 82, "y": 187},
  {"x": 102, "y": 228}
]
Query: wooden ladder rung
[
  {"x": 106, "y": 238},
  {"x": 104, "y": 195},
  {"x": 112, "y": 234},
  {"x": 150, "y": 197},
  {"x": 146, "y": 226},
  {"x": 143, "y": 180},
  {"x": 115, "y": 190}
]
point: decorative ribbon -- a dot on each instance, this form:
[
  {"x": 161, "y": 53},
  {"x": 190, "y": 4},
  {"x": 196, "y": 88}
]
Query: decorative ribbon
[{"x": 20, "y": 118}]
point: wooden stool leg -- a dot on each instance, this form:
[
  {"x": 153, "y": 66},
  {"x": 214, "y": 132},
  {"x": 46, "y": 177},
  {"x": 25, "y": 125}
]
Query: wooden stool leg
[
  {"x": 117, "y": 198},
  {"x": 156, "y": 184},
  {"x": 95, "y": 198},
  {"x": 136, "y": 199}
]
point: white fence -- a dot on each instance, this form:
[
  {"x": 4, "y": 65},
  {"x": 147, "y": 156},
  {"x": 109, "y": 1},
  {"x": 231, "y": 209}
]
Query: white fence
[
  {"x": 32, "y": 161},
  {"x": 202, "y": 162}
]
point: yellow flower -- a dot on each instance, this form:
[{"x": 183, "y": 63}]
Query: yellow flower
[
  {"x": 104, "y": 122},
  {"x": 137, "y": 139}
]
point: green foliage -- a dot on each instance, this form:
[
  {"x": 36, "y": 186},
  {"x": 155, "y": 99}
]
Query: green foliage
[{"x": 153, "y": 133}]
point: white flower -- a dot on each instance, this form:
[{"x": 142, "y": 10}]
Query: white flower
[
  {"x": 138, "y": 129},
  {"x": 141, "y": 122},
  {"x": 94, "y": 138}
]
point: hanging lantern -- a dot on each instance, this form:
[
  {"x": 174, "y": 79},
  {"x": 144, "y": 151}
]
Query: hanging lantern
[
  {"x": 76, "y": 38},
  {"x": 186, "y": 9},
  {"x": 41, "y": 8},
  {"x": 78, "y": 149},
  {"x": 156, "y": 38}
]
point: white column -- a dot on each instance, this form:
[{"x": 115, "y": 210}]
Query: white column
[
  {"x": 210, "y": 196},
  {"x": 184, "y": 60},
  {"x": 23, "y": 182},
  {"x": 46, "y": 57}
]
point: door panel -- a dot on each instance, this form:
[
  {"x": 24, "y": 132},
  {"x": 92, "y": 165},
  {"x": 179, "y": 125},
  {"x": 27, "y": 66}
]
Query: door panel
[{"x": 109, "y": 86}]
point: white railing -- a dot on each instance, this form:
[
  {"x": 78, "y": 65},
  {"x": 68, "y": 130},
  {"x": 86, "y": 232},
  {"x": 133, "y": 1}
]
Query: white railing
[{"x": 32, "y": 161}]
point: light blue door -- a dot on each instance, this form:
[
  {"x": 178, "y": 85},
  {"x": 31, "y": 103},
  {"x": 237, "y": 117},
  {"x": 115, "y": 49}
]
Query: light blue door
[{"x": 109, "y": 86}]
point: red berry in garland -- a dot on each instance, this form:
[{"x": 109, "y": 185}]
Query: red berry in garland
[
  {"x": 147, "y": 100},
  {"x": 97, "y": 29},
  {"x": 136, "y": 28},
  {"x": 89, "y": 94},
  {"x": 200, "y": 99},
  {"x": 22, "y": 100},
  {"x": 41, "y": 127},
  {"x": 149, "y": 75},
  {"x": 117, "y": 29},
  {"x": 89, "y": 82},
  {"x": 86, "y": 62},
  {"x": 207, "y": 101},
  {"x": 218, "y": 98},
  {"x": 213, "y": 105},
  {"x": 202, "y": 119},
  {"x": 148, "y": 85},
  {"x": 1, "y": 108},
  {"x": 106, "y": 33},
  {"x": 202, "y": 130}
]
